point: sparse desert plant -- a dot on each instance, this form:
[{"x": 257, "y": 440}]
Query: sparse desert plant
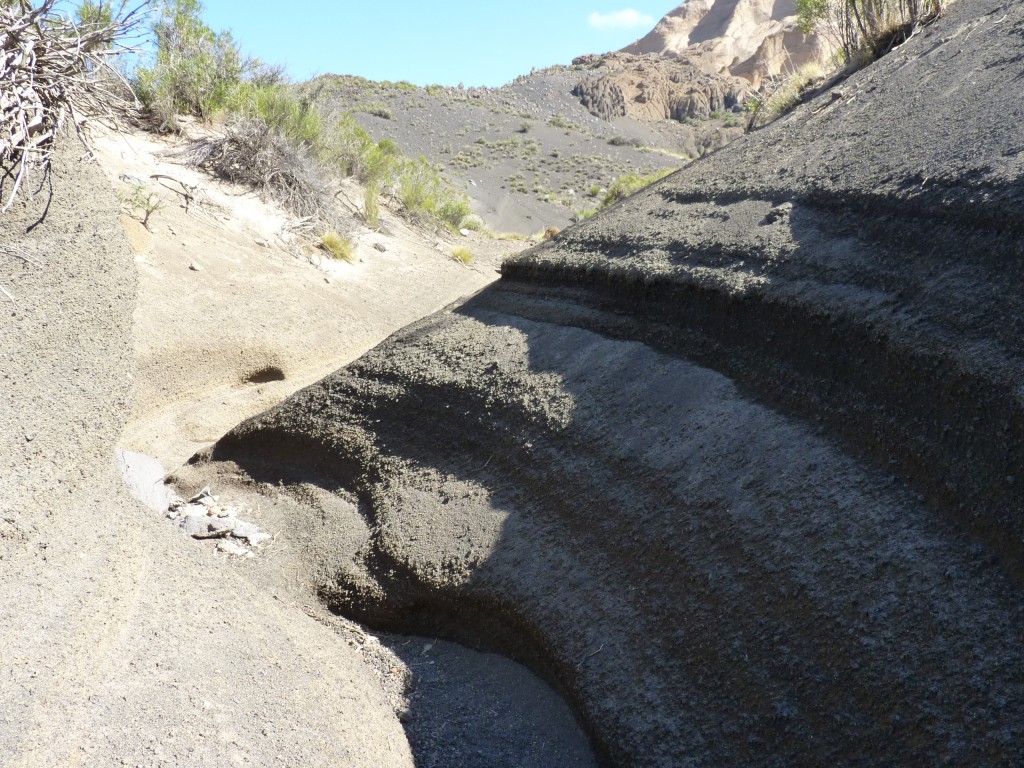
[
  {"x": 619, "y": 141},
  {"x": 377, "y": 110},
  {"x": 338, "y": 247},
  {"x": 584, "y": 214},
  {"x": 858, "y": 25},
  {"x": 454, "y": 211},
  {"x": 249, "y": 153},
  {"x": 628, "y": 184},
  {"x": 463, "y": 254},
  {"x": 141, "y": 202},
  {"x": 524, "y": 127},
  {"x": 783, "y": 96}
]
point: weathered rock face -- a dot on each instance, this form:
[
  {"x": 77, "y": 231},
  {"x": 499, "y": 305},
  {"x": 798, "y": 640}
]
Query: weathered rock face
[
  {"x": 736, "y": 463},
  {"x": 753, "y": 39},
  {"x": 706, "y": 56},
  {"x": 656, "y": 88}
]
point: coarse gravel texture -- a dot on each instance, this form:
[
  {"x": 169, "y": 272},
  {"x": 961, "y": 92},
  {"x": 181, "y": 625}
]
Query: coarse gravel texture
[{"x": 735, "y": 465}]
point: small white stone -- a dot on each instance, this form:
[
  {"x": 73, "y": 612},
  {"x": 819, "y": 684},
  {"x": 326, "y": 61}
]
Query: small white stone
[{"x": 230, "y": 548}]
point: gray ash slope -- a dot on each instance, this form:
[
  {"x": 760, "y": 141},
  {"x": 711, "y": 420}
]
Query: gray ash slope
[
  {"x": 736, "y": 464},
  {"x": 528, "y": 153},
  {"x": 121, "y": 643}
]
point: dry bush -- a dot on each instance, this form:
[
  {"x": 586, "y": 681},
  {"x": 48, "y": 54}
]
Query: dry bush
[
  {"x": 341, "y": 248},
  {"x": 50, "y": 69},
  {"x": 463, "y": 254},
  {"x": 251, "y": 154}
]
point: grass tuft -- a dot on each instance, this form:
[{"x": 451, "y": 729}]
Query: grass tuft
[
  {"x": 338, "y": 247},
  {"x": 463, "y": 254}
]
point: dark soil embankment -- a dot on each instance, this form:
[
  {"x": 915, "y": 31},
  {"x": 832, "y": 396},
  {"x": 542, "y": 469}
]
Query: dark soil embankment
[{"x": 735, "y": 464}]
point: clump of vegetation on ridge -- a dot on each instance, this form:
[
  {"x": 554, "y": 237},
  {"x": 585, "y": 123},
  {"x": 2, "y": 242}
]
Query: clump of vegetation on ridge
[{"x": 274, "y": 138}]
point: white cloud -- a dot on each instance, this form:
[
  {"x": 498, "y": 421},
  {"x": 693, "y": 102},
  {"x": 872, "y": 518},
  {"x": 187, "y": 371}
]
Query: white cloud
[{"x": 624, "y": 19}]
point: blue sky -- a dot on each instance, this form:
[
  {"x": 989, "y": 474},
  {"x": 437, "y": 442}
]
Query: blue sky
[{"x": 467, "y": 41}]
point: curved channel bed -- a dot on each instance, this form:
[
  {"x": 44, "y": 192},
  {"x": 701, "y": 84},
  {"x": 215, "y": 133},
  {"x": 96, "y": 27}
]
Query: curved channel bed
[{"x": 737, "y": 464}]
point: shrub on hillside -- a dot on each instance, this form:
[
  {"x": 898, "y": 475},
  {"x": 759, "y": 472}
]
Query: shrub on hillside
[
  {"x": 858, "y": 25},
  {"x": 341, "y": 248},
  {"x": 626, "y": 185},
  {"x": 192, "y": 67}
]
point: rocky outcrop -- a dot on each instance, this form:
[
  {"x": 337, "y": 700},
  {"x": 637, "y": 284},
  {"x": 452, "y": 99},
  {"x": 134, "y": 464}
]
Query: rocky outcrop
[
  {"x": 655, "y": 88},
  {"x": 736, "y": 463},
  {"x": 753, "y": 39},
  {"x": 704, "y": 57}
]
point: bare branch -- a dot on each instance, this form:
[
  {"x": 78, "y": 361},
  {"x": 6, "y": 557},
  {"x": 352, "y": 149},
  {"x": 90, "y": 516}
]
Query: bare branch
[{"x": 52, "y": 68}]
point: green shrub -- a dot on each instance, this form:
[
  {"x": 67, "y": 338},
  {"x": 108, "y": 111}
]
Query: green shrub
[
  {"x": 418, "y": 187},
  {"x": 858, "y": 25},
  {"x": 341, "y": 248},
  {"x": 463, "y": 254},
  {"x": 454, "y": 210},
  {"x": 293, "y": 118},
  {"x": 192, "y": 67}
]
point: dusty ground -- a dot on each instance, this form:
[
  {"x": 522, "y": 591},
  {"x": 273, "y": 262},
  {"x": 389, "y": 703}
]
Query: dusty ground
[
  {"x": 121, "y": 642},
  {"x": 736, "y": 464},
  {"x": 257, "y": 321}
]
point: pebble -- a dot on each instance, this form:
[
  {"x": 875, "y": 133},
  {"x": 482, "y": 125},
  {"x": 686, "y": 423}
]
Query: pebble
[
  {"x": 193, "y": 524},
  {"x": 195, "y": 267},
  {"x": 223, "y": 524},
  {"x": 243, "y": 530},
  {"x": 203, "y": 515},
  {"x": 230, "y": 548}
]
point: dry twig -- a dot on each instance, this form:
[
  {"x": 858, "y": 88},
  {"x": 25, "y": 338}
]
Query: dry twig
[
  {"x": 52, "y": 69},
  {"x": 251, "y": 154}
]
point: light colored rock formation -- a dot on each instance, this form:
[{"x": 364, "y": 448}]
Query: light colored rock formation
[{"x": 753, "y": 39}]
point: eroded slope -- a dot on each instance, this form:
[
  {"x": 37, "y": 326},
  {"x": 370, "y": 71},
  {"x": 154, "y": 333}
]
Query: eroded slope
[{"x": 734, "y": 464}]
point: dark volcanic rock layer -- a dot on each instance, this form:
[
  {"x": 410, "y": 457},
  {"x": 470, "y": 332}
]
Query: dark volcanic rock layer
[{"x": 736, "y": 464}]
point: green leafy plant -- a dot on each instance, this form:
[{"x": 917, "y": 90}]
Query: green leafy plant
[
  {"x": 141, "y": 203},
  {"x": 192, "y": 66}
]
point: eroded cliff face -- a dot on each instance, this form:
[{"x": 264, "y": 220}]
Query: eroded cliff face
[
  {"x": 753, "y": 39},
  {"x": 736, "y": 463},
  {"x": 705, "y": 57},
  {"x": 656, "y": 88}
]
